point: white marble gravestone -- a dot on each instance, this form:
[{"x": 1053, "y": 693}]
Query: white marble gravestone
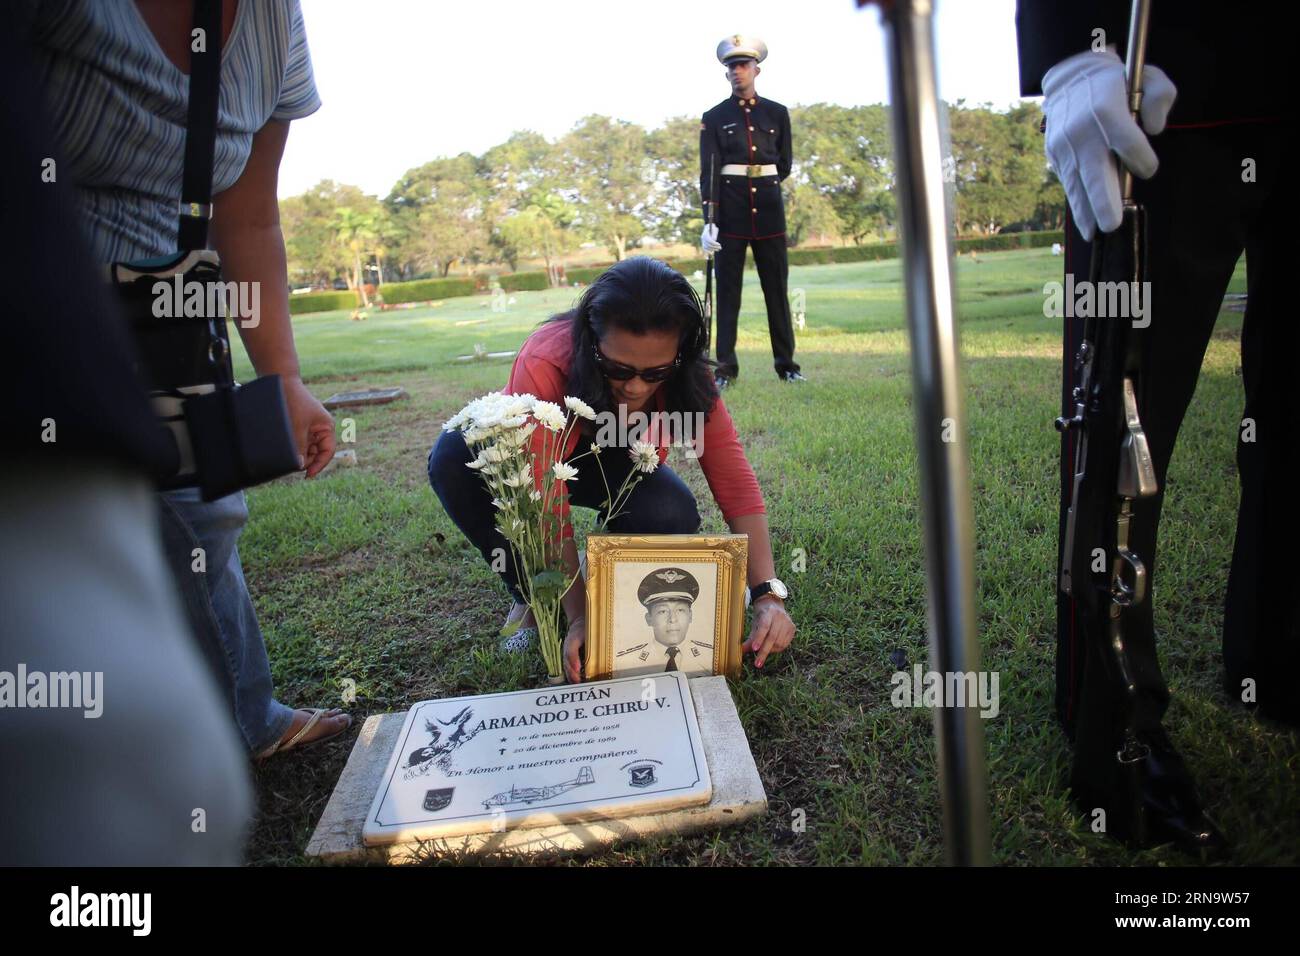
[{"x": 470, "y": 765}]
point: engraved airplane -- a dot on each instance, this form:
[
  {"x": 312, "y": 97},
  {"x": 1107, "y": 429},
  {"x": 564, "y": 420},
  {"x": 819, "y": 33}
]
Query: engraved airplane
[{"x": 531, "y": 795}]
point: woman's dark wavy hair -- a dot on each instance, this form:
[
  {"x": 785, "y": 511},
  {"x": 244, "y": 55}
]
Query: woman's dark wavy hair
[{"x": 638, "y": 295}]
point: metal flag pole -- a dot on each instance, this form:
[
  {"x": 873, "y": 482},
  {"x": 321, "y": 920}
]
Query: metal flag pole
[{"x": 940, "y": 418}]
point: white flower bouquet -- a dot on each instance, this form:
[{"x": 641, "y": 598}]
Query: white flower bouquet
[{"x": 498, "y": 429}]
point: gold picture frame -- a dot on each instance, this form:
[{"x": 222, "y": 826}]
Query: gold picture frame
[{"x": 621, "y": 568}]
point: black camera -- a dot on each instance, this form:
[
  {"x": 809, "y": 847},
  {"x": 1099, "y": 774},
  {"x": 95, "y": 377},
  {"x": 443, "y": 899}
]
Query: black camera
[{"x": 229, "y": 436}]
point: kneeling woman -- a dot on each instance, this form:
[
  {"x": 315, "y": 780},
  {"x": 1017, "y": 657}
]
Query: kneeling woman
[{"x": 636, "y": 340}]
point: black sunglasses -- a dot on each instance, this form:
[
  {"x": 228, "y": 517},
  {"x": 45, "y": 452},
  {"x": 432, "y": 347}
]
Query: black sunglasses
[{"x": 621, "y": 373}]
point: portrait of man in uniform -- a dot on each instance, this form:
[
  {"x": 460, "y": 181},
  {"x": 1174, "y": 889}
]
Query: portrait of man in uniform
[
  {"x": 663, "y": 603},
  {"x": 664, "y": 618}
]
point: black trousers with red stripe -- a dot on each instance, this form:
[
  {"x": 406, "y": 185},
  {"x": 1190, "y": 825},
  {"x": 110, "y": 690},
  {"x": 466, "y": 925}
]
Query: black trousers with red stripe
[
  {"x": 1201, "y": 217},
  {"x": 773, "y": 274}
]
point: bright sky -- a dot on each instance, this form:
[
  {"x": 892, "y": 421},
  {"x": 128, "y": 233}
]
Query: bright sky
[{"x": 406, "y": 81}]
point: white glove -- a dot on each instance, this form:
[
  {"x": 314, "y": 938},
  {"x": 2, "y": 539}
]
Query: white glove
[
  {"x": 709, "y": 240},
  {"x": 1088, "y": 119}
]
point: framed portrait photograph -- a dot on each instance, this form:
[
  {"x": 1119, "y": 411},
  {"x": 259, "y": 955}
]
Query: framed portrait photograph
[{"x": 665, "y": 602}]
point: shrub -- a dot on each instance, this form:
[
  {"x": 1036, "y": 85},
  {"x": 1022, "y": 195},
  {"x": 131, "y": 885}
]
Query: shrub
[
  {"x": 524, "y": 281},
  {"x": 321, "y": 302},
  {"x": 425, "y": 290},
  {"x": 585, "y": 275},
  {"x": 1015, "y": 240},
  {"x": 686, "y": 266},
  {"x": 808, "y": 257}
]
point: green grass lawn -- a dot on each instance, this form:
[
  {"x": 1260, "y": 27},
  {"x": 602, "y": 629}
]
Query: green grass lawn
[{"x": 360, "y": 575}]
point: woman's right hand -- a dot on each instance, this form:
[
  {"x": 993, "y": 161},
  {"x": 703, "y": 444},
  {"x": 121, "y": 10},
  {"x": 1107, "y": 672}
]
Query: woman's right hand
[{"x": 573, "y": 642}]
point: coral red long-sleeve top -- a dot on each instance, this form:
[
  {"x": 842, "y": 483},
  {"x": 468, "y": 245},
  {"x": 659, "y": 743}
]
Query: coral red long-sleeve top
[{"x": 542, "y": 369}]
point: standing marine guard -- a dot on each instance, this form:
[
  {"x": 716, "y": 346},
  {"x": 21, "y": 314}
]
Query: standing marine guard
[{"x": 744, "y": 157}]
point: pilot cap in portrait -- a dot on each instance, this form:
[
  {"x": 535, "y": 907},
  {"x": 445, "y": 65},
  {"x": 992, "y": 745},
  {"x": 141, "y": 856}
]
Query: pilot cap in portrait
[
  {"x": 668, "y": 584},
  {"x": 737, "y": 47}
]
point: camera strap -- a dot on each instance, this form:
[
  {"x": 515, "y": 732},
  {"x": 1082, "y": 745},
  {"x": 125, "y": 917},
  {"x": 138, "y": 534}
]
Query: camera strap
[{"x": 201, "y": 126}]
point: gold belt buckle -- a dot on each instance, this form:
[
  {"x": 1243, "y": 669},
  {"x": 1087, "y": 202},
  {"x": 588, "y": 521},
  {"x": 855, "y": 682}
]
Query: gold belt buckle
[{"x": 754, "y": 172}]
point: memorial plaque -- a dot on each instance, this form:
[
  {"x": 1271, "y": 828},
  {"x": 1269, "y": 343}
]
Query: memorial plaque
[{"x": 575, "y": 752}]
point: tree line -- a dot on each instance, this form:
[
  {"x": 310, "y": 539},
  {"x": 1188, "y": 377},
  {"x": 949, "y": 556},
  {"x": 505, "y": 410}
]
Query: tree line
[{"x": 619, "y": 185}]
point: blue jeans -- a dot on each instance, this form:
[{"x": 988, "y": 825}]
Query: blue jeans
[
  {"x": 660, "y": 504},
  {"x": 219, "y": 609}
]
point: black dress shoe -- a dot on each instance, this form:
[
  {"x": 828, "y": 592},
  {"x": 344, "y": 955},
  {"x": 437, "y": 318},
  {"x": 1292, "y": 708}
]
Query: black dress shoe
[
  {"x": 792, "y": 377},
  {"x": 1173, "y": 811},
  {"x": 1164, "y": 810}
]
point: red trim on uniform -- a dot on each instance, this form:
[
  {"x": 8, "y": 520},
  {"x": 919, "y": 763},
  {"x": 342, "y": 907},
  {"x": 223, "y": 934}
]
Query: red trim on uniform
[
  {"x": 1227, "y": 122},
  {"x": 732, "y": 235}
]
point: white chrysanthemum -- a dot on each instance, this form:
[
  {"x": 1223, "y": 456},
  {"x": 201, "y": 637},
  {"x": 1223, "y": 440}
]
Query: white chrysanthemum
[
  {"x": 580, "y": 408},
  {"x": 524, "y": 476},
  {"x": 550, "y": 415},
  {"x": 477, "y": 406},
  {"x": 477, "y": 463},
  {"x": 490, "y": 470},
  {"x": 535, "y": 495},
  {"x": 564, "y": 471},
  {"x": 519, "y": 437},
  {"x": 494, "y": 454},
  {"x": 520, "y": 404},
  {"x": 644, "y": 456},
  {"x": 484, "y": 416}
]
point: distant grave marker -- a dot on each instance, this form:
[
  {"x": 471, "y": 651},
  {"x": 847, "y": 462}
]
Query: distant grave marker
[
  {"x": 480, "y": 355},
  {"x": 369, "y": 396}
]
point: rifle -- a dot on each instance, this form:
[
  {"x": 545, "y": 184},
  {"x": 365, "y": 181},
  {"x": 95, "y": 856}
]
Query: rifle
[
  {"x": 710, "y": 205},
  {"x": 1112, "y": 461}
]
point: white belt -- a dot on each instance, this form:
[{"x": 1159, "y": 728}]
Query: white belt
[{"x": 737, "y": 169}]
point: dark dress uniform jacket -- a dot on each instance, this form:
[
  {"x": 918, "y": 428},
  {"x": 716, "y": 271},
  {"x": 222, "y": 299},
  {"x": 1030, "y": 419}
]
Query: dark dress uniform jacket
[
  {"x": 1226, "y": 60},
  {"x": 736, "y": 132}
]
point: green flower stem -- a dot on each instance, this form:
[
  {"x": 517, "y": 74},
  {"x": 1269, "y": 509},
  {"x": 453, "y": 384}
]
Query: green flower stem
[{"x": 549, "y": 636}]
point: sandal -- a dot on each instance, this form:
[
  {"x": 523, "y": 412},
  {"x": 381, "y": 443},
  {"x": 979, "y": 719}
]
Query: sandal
[
  {"x": 298, "y": 739},
  {"x": 520, "y": 641},
  {"x": 515, "y": 637}
]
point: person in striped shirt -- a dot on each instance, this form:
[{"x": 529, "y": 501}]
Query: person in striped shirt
[{"x": 116, "y": 87}]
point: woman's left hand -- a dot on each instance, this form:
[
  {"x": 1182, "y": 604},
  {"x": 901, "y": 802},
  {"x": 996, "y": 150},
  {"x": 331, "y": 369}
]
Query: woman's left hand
[
  {"x": 313, "y": 426},
  {"x": 771, "y": 629}
]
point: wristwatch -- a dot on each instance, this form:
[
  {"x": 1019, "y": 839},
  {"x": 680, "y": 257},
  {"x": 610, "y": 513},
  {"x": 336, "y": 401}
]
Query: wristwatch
[{"x": 773, "y": 586}]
